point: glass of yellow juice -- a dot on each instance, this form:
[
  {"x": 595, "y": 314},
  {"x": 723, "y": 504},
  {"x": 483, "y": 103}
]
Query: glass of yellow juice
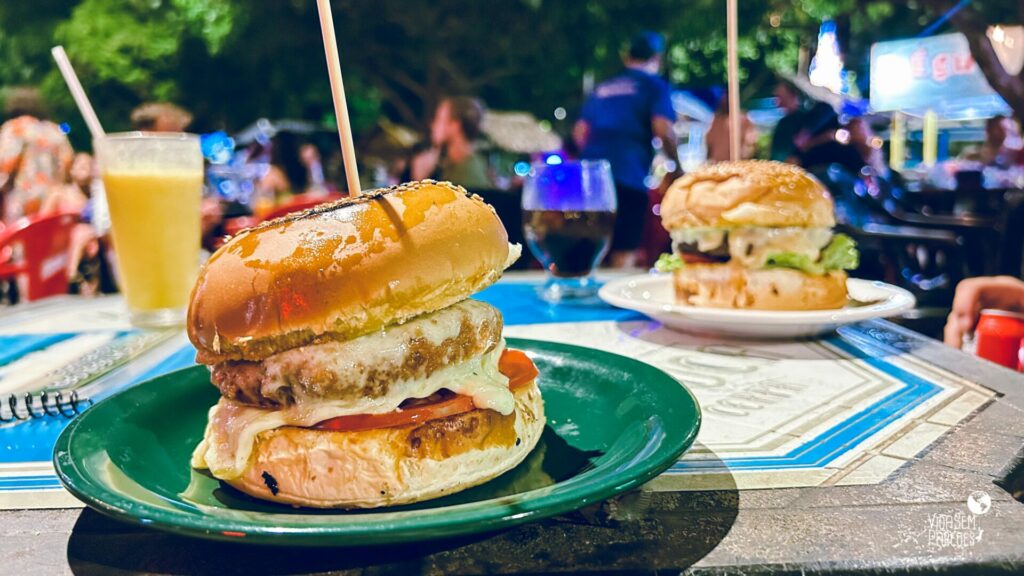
[{"x": 154, "y": 184}]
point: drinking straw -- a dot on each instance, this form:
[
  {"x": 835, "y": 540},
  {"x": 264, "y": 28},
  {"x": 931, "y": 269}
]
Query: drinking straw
[
  {"x": 348, "y": 150},
  {"x": 84, "y": 106},
  {"x": 734, "y": 87}
]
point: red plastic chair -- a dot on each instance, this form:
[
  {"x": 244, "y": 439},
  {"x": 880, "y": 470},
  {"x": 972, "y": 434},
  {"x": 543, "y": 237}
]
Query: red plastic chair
[
  {"x": 235, "y": 225},
  {"x": 300, "y": 202},
  {"x": 42, "y": 260}
]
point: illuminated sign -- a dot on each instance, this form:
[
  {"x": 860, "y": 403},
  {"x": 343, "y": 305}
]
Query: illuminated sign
[
  {"x": 935, "y": 73},
  {"x": 826, "y": 68}
]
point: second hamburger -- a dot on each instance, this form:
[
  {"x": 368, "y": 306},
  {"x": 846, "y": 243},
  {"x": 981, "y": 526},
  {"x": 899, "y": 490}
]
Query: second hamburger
[{"x": 757, "y": 235}]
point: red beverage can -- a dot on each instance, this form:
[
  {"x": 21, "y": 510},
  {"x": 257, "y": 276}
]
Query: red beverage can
[
  {"x": 1020, "y": 357},
  {"x": 998, "y": 337}
]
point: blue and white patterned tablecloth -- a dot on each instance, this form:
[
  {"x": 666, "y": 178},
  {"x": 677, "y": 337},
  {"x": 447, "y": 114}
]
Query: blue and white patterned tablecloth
[{"x": 843, "y": 410}]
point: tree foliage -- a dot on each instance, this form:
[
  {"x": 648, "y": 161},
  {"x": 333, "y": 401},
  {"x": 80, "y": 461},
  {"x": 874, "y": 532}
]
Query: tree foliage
[
  {"x": 26, "y": 35},
  {"x": 973, "y": 21},
  {"x": 232, "y": 61}
]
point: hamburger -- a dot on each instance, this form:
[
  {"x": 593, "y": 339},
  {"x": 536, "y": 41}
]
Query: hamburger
[
  {"x": 757, "y": 235},
  {"x": 353, "y": 369}
]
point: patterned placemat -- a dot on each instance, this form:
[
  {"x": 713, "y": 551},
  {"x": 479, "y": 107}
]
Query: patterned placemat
[
  {"x": 846, "y": 409},
  {"x": 842, "y": 410}
]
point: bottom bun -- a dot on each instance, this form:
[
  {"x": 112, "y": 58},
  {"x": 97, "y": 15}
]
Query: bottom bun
[
  {"x": 392, "y": 466},
  {"x": 731, "y": 286}
]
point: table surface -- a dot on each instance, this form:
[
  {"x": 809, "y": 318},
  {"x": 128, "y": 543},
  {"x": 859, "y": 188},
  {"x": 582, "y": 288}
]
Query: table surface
[{"x": 915, "y": 519}]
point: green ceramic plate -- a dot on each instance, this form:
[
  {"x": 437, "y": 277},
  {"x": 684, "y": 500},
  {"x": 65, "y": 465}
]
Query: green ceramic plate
[{"x": 613, "y": 424}]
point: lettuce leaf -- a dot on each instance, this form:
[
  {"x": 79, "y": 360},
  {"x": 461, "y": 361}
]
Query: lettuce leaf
[
  {"x": 795, "y": 261},
  {"x": 669, "y": 263},
  {"x": 840, "y": 254}
]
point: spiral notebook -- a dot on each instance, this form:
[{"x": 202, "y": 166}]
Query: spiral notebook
[
  {"x": 58, "y": 357},
  {"x": 58, "y": 375}
]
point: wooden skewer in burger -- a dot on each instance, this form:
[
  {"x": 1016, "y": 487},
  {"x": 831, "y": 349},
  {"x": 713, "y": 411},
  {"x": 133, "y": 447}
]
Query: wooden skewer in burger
[{"x": 354, "y": 370}]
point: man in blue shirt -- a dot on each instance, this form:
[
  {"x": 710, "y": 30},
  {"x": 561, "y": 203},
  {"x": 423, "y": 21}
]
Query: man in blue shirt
[{"x": 618, "y": 123}]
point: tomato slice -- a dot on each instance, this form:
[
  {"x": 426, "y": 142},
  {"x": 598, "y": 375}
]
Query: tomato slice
[
  {"x": 518, "y": 367},
  {"x": 514, "y": 364},
  {"x": 418, "y": 414}
]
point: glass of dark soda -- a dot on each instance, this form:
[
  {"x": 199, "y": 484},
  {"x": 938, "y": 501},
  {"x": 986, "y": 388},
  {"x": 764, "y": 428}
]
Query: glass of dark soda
[{"x": 568, "y": 217}]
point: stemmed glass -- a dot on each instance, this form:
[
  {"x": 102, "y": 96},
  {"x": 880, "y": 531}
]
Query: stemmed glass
[{"x": 568, "y": 218}]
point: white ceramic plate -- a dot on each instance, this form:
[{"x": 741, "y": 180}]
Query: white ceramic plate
[{"x": 652, "y": 294}]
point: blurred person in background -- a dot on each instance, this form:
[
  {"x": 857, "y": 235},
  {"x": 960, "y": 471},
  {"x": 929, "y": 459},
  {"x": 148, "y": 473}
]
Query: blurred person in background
[
  {"x": 35, "y": 155},
  {"x": 824, "y": 142},
  {"x": 88, "y": 268},
  {"x": 286, "y": 174},
  {"x": 453, "y": 154},
  {"x": 976, "y": 294},
  {"x": 72, "y": 196},
  {"x": 1002, "y": 147},
  {"x": 618, "y": 123},
  {"x": 309, "y": 156},
  {"x": 160, "y": 117},
  {"x": 717, "y": 136},
  {"x": 789, "y": 99}
]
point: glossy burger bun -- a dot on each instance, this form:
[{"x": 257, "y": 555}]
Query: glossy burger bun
[
  {"x": 732, "y": 286},
  {"x": 747, "y": 193},
  {"x": 392, "y": 466},
  {"x": 345, "y": 269}
]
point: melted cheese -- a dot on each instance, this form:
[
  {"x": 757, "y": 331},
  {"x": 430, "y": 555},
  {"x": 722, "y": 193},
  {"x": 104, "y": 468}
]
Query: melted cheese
[
  {"x": 232, "y": 427},
  {"x": 514, "y": 252},
  {"x": 751, "y": 246}
]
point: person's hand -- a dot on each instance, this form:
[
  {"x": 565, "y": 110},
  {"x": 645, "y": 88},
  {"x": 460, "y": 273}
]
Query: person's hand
[
  {"x": 802, "y": 140},
  {"x": 424, "y": 164},
  {"x": 975, "y": 294}
]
